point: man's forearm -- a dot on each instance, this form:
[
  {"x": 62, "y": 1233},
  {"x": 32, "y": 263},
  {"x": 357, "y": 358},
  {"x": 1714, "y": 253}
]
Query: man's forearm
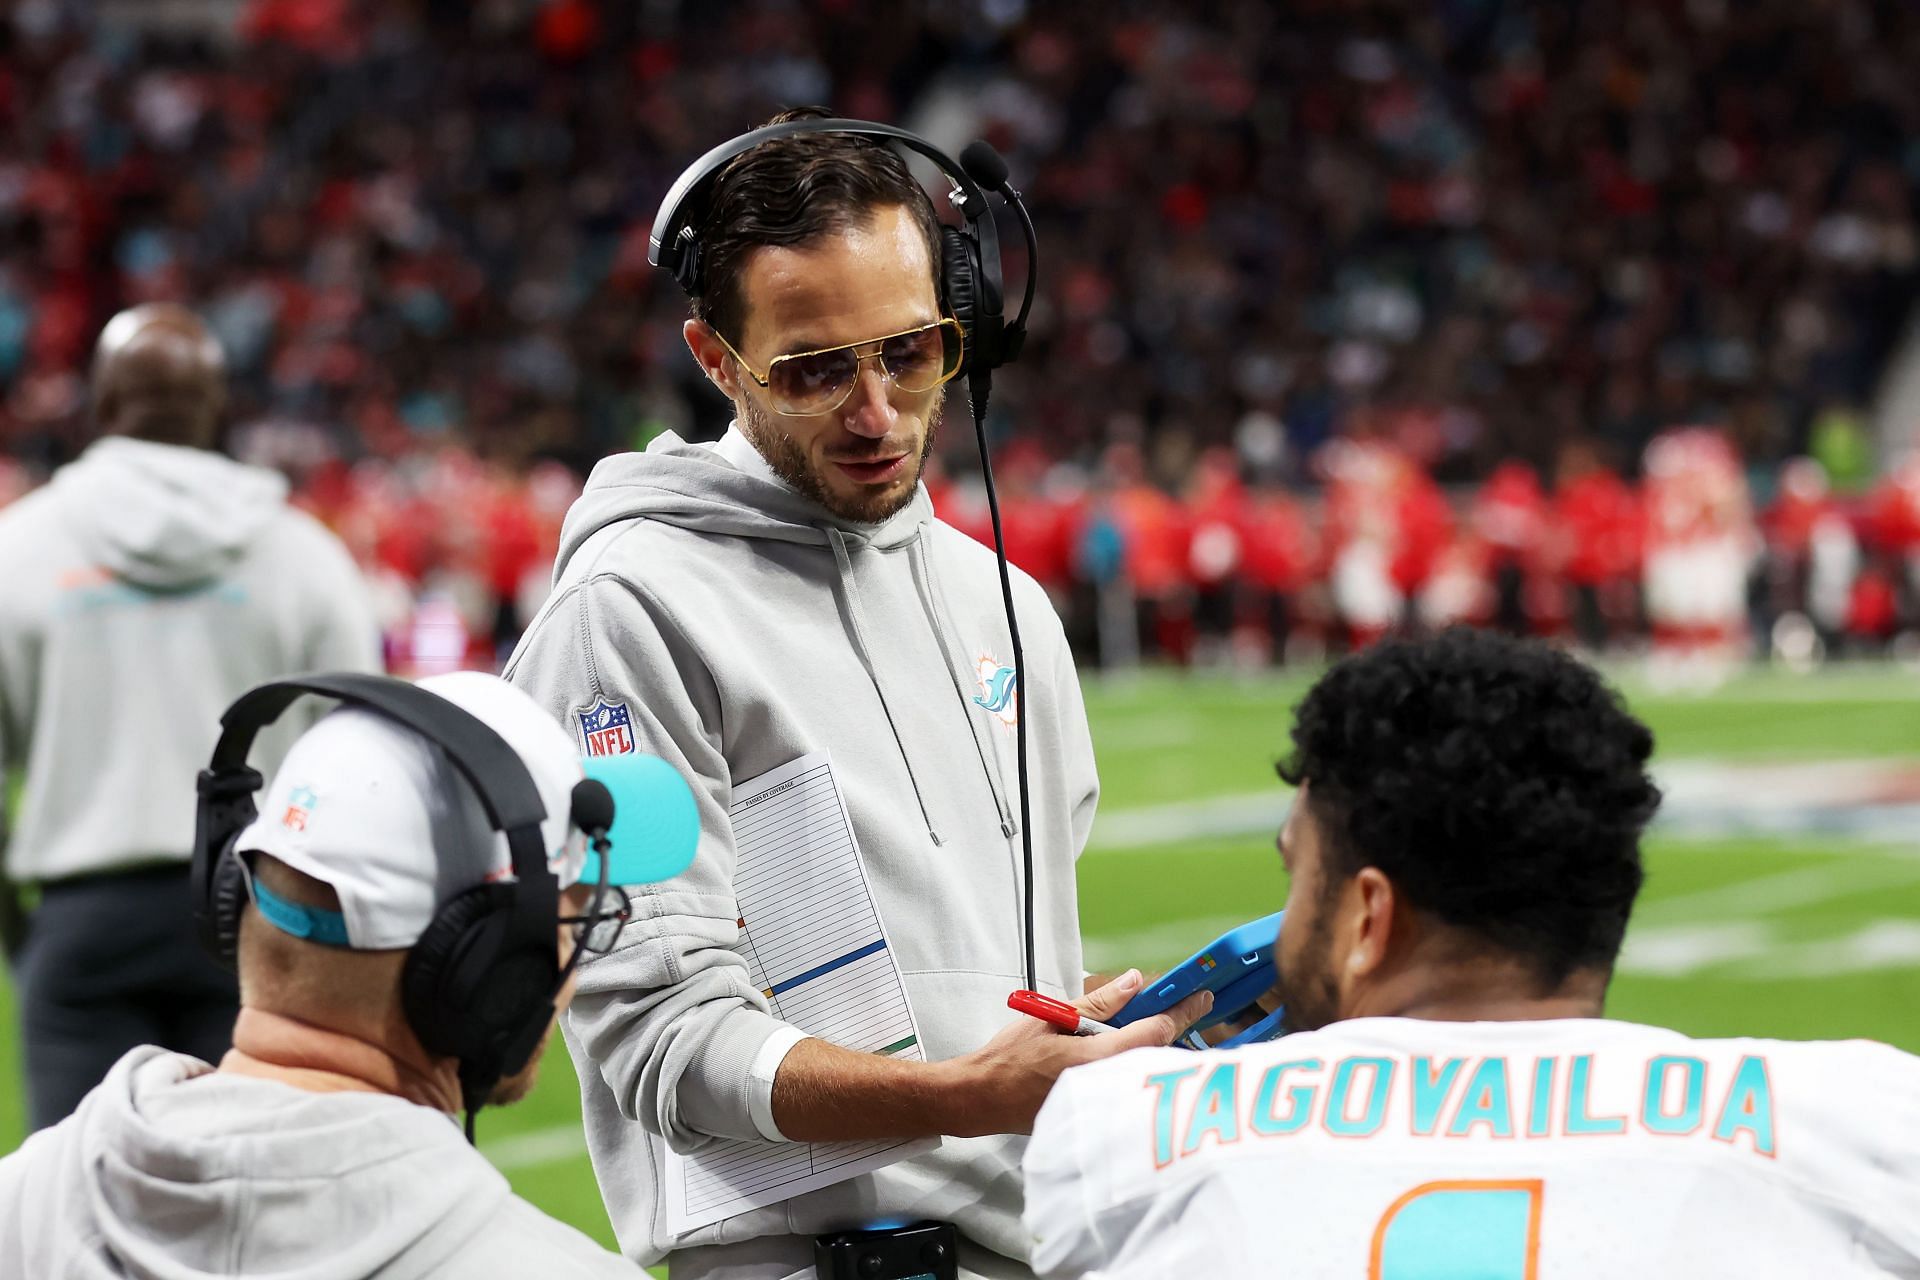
[{"x": 824, "y": 1093}]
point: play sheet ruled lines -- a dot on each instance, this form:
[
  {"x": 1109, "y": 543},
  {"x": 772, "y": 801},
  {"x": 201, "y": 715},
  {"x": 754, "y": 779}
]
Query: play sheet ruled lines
[{"x": 814, "y": 945}]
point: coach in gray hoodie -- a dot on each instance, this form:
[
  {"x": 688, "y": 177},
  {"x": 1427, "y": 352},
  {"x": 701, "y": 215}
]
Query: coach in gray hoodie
[
  {"x": 789, "y": 591},
  {"x": 141, "y": 591}
]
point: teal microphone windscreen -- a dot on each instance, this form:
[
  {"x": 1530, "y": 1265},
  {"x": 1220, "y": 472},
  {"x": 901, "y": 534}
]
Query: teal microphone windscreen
[{"x": 655, "y": 824}]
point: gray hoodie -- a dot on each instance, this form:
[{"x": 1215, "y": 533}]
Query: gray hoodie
[
  {"x": 742, "y": 626},
  {"x": 172, "y": 1171},
  {"x": 144, "y": 589}
]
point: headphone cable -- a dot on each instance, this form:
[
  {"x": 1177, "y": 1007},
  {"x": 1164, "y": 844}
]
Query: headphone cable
[{"x": 978, "y": 388}]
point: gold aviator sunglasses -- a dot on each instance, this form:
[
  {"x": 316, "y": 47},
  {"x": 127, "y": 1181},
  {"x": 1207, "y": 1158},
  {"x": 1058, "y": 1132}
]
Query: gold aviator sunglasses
[{"x": 813, "y": 382}]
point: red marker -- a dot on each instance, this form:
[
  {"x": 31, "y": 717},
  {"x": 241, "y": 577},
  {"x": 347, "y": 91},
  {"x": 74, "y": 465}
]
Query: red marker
[{"x": 1058, "y": 1012}]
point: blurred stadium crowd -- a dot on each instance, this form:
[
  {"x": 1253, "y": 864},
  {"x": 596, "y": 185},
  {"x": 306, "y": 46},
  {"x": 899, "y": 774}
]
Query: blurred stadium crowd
[{"x": 1346, "y": 322}]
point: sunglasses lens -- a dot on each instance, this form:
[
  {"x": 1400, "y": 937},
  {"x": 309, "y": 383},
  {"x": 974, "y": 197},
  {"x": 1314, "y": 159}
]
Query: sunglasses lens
[
  {"x": 603, "y": 934},
  {"x": 922, "y": 360},
  {"x": 603, "y": 920},
  {"x": 812, "y": 383}
]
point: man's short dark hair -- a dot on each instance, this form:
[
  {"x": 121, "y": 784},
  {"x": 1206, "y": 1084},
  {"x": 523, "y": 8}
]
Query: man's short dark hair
[
  {"x": 1499, "y": 783},
  {"x": 791, "y": 191}
]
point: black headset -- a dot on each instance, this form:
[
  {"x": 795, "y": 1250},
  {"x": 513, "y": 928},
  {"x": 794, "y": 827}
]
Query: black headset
[
  {"x": 973, "y": 293},
  {"x": 970, "y": 284},
  {"x": 480, "y": 983}
]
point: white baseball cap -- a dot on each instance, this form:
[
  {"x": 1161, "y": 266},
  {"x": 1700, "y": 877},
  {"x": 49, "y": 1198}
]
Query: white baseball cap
[{"x": 382, "y": 816}]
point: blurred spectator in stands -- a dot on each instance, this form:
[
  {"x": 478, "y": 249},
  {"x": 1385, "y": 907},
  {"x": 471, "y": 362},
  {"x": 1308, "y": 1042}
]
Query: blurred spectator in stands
[
  {"x": 1155, "y": 533},
  {"x": 1596, "y": 532},
  {"x": 1277, "y": 620},
  {"x": 1893, "y": 532},
  {"x": 1812, "y": 556},
  {"x": 1702, "y": 544},
  {"x": 1472, "y": 232},
  {"x": 1216, "y": 519},
  {"x": 1475, "y": 230},
  {"x": 1363, "y": 537},
  {"x": 1510, "y": 520}
]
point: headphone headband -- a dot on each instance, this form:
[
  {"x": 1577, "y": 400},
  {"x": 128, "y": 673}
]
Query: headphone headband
[
  {"x": 671, "y": 243},
  {"x": 495, "y": 771}
]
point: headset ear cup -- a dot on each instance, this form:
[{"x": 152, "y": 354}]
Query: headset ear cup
[
  {"x": 434, "y": 965},
  {"x": 463, "y": 997},
  {"x": 687, "y": 272},
  {"x": 226, "y": 900},
  {"x": 958, "y": 268}
]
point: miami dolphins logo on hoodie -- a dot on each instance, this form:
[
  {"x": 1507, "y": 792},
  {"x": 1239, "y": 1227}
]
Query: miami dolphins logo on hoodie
[{"x": 997, "y": 692}]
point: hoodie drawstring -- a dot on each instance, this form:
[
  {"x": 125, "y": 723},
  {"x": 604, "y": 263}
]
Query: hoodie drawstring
[
  {"x": 930, "y": 601},
  {"x": 851, "y": 596}
]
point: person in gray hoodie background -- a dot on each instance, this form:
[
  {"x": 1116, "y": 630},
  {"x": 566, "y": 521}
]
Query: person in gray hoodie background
[
  {"x": 324, "y": 1145},
  {"x": 149, "y": 584},
  {"x": 785, "y": 591}
]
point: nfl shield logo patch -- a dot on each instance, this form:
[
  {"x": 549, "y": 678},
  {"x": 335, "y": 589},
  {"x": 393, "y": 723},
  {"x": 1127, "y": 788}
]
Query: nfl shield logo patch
[
  {"x": 608, "y": 728},
  {"x": 300, "y": 803}
]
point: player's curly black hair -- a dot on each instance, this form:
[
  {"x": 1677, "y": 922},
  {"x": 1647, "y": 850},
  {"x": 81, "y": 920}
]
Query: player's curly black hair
[{"x": 1499, "y": 783}]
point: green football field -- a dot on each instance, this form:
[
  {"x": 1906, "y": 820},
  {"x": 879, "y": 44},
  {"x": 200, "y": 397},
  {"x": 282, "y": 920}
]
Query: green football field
[{"x": 1768, "y": 909}]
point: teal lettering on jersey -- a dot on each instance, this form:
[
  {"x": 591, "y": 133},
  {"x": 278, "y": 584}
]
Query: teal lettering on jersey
[
  {"x": 1167, "y": 1084},
  {"x": 1749, "y": 1106},
  {"x": 1218, "y": 1110},
  {"x": 1430, "y": 1090},
  {"x": 1455, "y": 1232},
  {"x": 1379, "y": 1082},
  {"x": 1653, "y": 1112},
  {"x": 1580, "y": 1118},
  {"x": 1300, "y": 1097},
  {"x": 1488, "y": 1100},
  {"x": 1540, "y": 1107}
]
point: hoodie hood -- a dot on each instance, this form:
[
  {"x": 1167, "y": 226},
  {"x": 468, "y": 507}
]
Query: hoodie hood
[
  {"x": 182, "y": 1172},
  {"x": 695, "y": 487},
  {"x": 691, "y": 486},
  {"x": 165, "y": 517}
]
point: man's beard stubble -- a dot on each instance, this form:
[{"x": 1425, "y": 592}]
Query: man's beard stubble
[
  {"x": 789, "y": 461},
  {"x": 1312, "y": 998}
]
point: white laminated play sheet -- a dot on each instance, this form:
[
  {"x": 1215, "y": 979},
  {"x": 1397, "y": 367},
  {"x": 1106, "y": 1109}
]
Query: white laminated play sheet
[{"x": 814, "y": 944}]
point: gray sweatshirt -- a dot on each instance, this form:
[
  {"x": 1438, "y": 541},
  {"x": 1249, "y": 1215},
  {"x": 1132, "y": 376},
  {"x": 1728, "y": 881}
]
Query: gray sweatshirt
[
  {"x": 173, "y": 1171},
  {"x": 146, "y": 588},
  {"x": 742, "y": 626}
]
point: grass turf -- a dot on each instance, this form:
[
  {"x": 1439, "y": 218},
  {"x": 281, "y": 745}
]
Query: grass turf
[{"x": 1162, "y": 738}]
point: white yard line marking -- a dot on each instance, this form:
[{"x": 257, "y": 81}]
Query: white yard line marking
[
  {"x": 1839, "y": 877},
  {"x": 1220, "y": 817},
  {"x": 536, "y": 1147},
  {"x": 1885, "y": 944},
  {"x": 1828, "y": 799},
  {"x": 1857, "y": 694},
  {"x": 1756, "y": 951},
  {"x": 1679, "y": 950},
  {"x": 1737, "y": 950}
]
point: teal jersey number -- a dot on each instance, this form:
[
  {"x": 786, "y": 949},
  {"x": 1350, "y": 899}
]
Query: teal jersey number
[{"x": 1461, "y": 1230}]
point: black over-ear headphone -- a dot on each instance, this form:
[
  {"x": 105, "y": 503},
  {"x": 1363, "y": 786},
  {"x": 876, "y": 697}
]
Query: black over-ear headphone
[
  {"x": 479, "y": 984},
  {"x": 970, "y": 284},
  {"x": 972, "y": 291}
]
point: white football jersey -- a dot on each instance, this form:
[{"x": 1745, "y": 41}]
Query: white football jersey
[{"x": 1398, "y": 1149}]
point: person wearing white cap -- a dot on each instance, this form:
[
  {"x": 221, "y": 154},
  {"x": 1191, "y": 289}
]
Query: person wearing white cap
[{"x": 394, "y": 851}]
